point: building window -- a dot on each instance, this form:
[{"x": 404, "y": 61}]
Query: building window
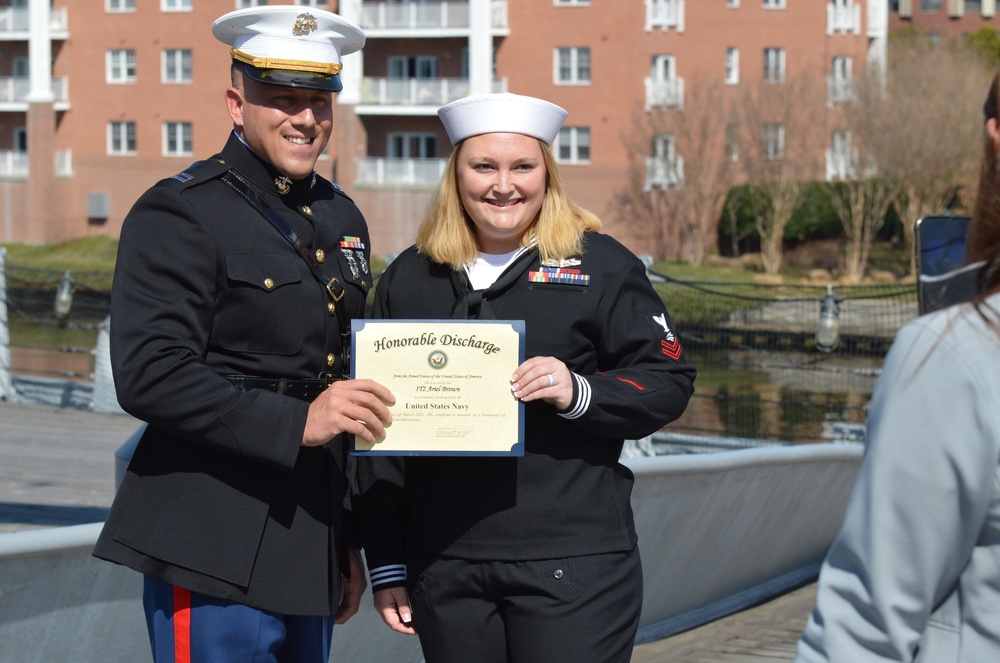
[
  {"x": 774, "y": 4},
  {"x": 774, "y": 142},
  {"x": 732, "y": 142},
  {"x": 311, "y": 3},
  {"x": 973, "y": 6},
  {"x": 244, "y": 4},
  {"x": 412, "y": 145},
  {"x": 420, "y": 66},
  {"x": 733, "y": 3},
  {"x": 20, "y": 139},
  {"x": 571, "y": 3},
  {"x": 175, "y": 5},
  {"x": 572, "y": 66},
  {"x": 840, "y": 158},
  {"x": 665, "y": 14},
  {"x": 573, "y": 145},
  {"x": 121, "y": 138},
  {"x": 927, "y": 6},
  {"x": 177, "y": 65},
  {"x": 177, "y": 139},
  {"x": 774, "y": 65},
  {"x": 732, "y": 66},
  {"x": 120, "y": 5},
  {"x": 840, "y": 80},
  {"x": 21, "y": 67},
  {"x": 664, "y": 168},
  {"x": 121, "y": 66},
  {"x": 663, "y": 88}
]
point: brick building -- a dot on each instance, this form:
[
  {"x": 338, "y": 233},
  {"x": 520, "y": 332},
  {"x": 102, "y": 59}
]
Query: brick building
[
  {"x": 100, "y": 98},
  {"x": 943, "y": 20}
]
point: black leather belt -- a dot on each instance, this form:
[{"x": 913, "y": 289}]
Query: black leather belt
[{"x": 305, "y": 390}]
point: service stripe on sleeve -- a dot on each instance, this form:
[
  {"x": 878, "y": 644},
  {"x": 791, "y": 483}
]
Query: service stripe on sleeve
[
  {"x": 389, "y": 573},
  {"x": 584, "y": 394}
]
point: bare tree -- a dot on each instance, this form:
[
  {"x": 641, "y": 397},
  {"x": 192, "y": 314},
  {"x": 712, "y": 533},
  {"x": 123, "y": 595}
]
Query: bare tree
[
  {"x": 782, "y": 127},
  {"x": 863, "y": 143},
  {"x": 680, "y": 173},
  {"x": 861, "y": 206},
  {"x": 934, "y": 126},
  {"x": 646, "y": 209}
]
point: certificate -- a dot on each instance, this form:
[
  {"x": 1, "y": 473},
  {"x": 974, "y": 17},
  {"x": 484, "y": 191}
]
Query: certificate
[{"x": 451, "y": 380}]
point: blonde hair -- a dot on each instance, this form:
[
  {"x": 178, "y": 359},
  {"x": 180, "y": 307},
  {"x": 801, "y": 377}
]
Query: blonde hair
[{"x": 447, "y": 234}]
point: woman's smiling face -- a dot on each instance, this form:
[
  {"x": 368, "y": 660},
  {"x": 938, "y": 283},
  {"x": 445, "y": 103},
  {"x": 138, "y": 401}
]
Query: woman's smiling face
[{"x": 501, "y": 182}]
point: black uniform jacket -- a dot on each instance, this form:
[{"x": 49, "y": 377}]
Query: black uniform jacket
[
  {"x": 568, "y": 495},
  {"x": 220, "y": 497}
]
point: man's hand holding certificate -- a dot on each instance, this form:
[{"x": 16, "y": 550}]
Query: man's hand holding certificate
[{"x": 451, "y": 379}]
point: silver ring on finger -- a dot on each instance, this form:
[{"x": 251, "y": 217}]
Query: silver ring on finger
[{"x": 551, "y": 379}]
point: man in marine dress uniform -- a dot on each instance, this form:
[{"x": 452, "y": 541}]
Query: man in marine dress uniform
[{"x": 234, "y": 288}]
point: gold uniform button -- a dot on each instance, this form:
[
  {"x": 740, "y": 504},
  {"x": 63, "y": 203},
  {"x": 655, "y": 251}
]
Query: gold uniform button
[
  {"x": 306, "y": 210},
  {"x": 320, "y": 255},
  {"x": 331, "y": 308},
  {"x": 330, "y": 359},
  {"x": 268, "y": 283}
]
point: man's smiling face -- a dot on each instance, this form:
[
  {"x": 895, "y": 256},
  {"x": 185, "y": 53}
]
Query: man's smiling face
[{"x": 288, "y": 127}]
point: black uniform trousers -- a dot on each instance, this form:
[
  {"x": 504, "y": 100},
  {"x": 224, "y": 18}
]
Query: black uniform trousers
[{"x": 569, "y": 610}]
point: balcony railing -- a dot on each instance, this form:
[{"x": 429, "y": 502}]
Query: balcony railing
[
  {"x": 665, "y": 14},
  {"x": 418, "y": 91},
  {"x": 878, "y": 20},
  {"x": 426, "y": 16},
  {"x": 16, "y": 19},
  {"x": 664, "y": 173},
  {"x": 13, "y": 164},
  {"x": 386, "y": 171},
  {"x": 662, "y": 94},
  {"x": 15, "y": 90},
  {"x": 843, "y": 18}
]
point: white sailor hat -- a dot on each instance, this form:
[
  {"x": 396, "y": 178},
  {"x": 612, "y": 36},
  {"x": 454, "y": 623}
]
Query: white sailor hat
[
  {"x": 502, "y": 113},
  {"x": 289, "y": 45}
]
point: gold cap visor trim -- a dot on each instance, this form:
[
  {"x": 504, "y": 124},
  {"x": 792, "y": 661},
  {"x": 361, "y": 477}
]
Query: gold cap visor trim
[{"x": 280, "y": 64}]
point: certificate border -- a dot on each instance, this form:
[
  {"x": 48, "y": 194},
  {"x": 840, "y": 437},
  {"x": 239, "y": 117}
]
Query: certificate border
[{"x": 516, "y": 450}]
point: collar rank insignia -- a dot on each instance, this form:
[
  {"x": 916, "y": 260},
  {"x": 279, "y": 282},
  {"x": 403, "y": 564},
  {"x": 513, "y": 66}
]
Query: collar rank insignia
[
  {"x": 349, "y": 242},
  {"x": 284, "y": 184},
  {"x": 566, "y": 262},
  {"x": 669, "y": 344},
  {"x": 559, "y": 275}
]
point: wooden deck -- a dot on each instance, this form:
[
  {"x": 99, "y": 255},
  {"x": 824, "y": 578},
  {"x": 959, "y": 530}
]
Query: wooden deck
[{"x": 57, "y": 467}]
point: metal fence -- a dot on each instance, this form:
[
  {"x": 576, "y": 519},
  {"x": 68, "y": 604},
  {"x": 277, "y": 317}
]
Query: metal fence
[
  {"x": 792, "y": 363},
  {"x": 762, "y": 375}
]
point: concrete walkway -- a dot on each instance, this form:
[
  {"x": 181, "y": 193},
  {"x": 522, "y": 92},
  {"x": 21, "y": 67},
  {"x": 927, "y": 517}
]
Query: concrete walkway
[{"x": 57, "y": 467}]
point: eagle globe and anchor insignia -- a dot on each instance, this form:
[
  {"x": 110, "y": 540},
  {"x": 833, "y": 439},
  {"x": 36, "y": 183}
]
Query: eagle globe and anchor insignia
[
  {"x": 437, "y": 360},
  {"x": 304, "y": 24}
]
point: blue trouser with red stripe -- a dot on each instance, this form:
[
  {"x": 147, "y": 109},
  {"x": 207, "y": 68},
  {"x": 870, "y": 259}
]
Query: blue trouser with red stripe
[{"x": 188, "y": 627}]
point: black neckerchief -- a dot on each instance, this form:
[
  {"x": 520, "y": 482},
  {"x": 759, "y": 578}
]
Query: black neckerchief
[{"x": 475, "y": 304}]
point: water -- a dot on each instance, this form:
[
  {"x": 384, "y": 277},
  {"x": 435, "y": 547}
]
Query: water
[{"x": 795, "y": 397}]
